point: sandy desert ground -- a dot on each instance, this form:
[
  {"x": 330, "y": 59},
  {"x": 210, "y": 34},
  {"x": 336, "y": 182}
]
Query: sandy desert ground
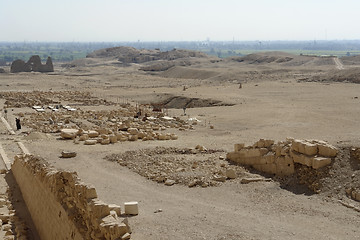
[{"x": 278, "y": 98}]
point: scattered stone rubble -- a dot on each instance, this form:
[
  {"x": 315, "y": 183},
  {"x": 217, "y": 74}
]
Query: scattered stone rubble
[
  {"x": 11, "y": 225},
  {"x": 93, "y": 218},
  {"x": 33, "y": 65},
  {"x": 43, "y": 98},
  {"x": 191, "y": 167},
  {"x": 280, "y": 158}
]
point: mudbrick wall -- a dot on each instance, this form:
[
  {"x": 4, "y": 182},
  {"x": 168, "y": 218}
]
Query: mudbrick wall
[{"x": 62, "y": 207}]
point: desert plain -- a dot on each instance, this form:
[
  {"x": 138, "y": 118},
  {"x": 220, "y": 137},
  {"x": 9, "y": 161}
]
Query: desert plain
[{"x": 271, "y": 95}]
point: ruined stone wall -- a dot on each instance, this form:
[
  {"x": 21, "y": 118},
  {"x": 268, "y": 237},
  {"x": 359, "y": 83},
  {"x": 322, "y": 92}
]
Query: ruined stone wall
[
  {"x": 62, "y": 207},
  {"x": 279, "y": 158}
]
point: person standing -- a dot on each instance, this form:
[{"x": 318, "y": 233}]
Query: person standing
[{"x": 18, "y": 124}]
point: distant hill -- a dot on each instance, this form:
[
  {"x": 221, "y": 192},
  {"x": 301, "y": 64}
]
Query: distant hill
[{"x": 283, "y": 58}]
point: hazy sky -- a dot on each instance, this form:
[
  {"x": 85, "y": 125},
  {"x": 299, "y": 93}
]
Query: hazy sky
[{"x": 178, "y": 20}]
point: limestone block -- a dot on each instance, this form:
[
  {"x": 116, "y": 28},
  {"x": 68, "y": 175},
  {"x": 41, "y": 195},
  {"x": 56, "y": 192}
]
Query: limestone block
[
  {"x": 284, "y": 150},
  {"x": 252, "y": 152},
  {"x": 238, "y": 146},
  {"x": 310, "y": 149},
  {"x": 266, "y": 168},
  {"x": 263, "y": 151},
  {"x": 90, "y": 192},
  {"x": 285, "y": 170},
  {"x": 295, "y": 146},
  {"x": 105, "y": 141},
  {"x": 83, "y": 137},
  {"x": 92, "y": 133},
  {"x": 162, "y": 137},
  {"x": 230, "y": 173},
  {"x": 99, "y": 208},
  {"x": 174, "y": 137},
  {"x": 260, "y": 143},
  {"x": 133, "y": 131},
  {"x": 268, "y": 143},
  {"x": 104, "y": 136},
  {"x": 116, "y": 208},
  {"x": 327, "y": 150},
  {"x": 269, "y": 158},
  {"x": 278, "y": 149},
  {"x": 133, "y": 137},
  {"x": 102, "y": 131},
  {"x": 284, "y": 166},
  {"x": 90, "y": 142},
  {"x": 131, "y": 208},
  {"x": 113, "y": 139},
  {"x": 301, "y": 158},
  {"x": 319, "y": 162},
  {"x": 68, "y": 133},
  {"x": 68, "y": 154}
]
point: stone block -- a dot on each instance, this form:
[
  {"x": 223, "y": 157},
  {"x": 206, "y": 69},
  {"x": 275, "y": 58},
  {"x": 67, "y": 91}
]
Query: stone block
[
  {"x": 131, "y": 208},
  {"x": 84, "y": 137},
  {"x": 102, "y": 131},
  {"x": 133, "y": 131},
  {"x": 284, "y": 166},
  {"x": 319, "y": 162},
  {"x": 238, "y": 146},
  {"x": 266, "y": 168},
  {"x": 301, "y": 158},
  {"x": 230, "y": 173},
  {"x": 99, "y": 208},
  {"x": 90, "y": 142},
  {"x": 133, "y": 137},
  {"x": 113, "y": 139},
  {"x": 92, "y": 133},
  {"x": 68, "y": 133},
  {"x": 105, "y": 141},
  {"x": 116, "y": 208},
  {"x": 68, "y": 154},
  {"x": 252, "y": 152},
  {"x": 310, "y": 149},
  {"x": 263, "y": 151},
  {"x": 295, "y": 145},
  {"x": 268, "y": 143},
  {"x": 327, "y": 150}
]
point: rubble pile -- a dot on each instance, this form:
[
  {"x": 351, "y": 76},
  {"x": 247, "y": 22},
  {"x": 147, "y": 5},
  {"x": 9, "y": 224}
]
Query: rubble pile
[
  {"x": 12, "y": 226},
  {"x": 191, "y": 167},
  {"x": 280, "y": 158},
  {"x": 58, "y": 199},
  {"x": 42, "y": 98}
]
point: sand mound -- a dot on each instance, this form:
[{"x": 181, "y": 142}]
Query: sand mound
[
  {"x": 37, "y": 136},
  {"x": 347, "y": 75},
  {"x": 351, "y": 60},
  {"x": 282, "y": 58},
  {"x": 188, "y": 73}
]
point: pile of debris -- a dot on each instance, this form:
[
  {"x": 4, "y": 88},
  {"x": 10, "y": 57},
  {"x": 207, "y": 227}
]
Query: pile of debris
[
  {"x": 191, "y": 167},
  {"x": 41, "y": 98}
]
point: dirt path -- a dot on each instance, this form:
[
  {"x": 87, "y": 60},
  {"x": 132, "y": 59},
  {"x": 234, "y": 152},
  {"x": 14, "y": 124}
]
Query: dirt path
[{"x": 338, "y": 63}]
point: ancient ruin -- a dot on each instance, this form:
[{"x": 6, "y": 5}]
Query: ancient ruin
[
  {"x": 279, "y": 158},
  {"x": 63, "y": 207},
  {"x": 33, "y": 65}
]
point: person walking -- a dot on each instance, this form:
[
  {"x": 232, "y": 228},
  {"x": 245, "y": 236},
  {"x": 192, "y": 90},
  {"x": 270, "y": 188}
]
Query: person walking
[{"x": 18, "y": 124}]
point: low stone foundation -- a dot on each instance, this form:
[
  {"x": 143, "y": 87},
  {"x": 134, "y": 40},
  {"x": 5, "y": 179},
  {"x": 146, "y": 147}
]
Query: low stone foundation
[
  {"x": 279, "y": 158},
  {"x": 62, "y": 207}
]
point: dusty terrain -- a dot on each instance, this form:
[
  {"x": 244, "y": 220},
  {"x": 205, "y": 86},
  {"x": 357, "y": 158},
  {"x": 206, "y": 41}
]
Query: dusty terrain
[{"x": 281, "y": 96}]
